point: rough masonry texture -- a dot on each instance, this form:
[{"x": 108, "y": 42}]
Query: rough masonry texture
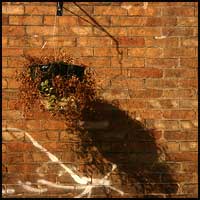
[{"x": 145, "y": 60}]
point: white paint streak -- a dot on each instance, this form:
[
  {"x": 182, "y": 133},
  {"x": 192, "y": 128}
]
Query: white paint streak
[
  {"x": 44, "y": 45},
  {"x": 85, "y": 183},
  {"x": 160, "y": 37},
  {"x": 8, "y": 191},
  {"x": 126, "y": 7},
  {"x": 32, "y": 189},
  {"x": 145, "y": 5}
]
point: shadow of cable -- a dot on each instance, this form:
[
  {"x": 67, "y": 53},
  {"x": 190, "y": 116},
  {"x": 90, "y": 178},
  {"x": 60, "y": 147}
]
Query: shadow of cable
[{"x": 127, "y": 143}]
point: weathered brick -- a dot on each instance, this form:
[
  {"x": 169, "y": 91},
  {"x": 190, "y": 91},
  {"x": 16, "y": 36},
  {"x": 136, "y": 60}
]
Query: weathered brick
[
  {"x": 140, "y": 11},
  {"x": 94, "y": 41},
  {"x": 146, "y": 93},
  {"x": 129, "y": 62},
  {"x": 25, "y": 20},
  {"x": 25, "y": 42},
  {"x": 13, "y": 31},
  {"x": 41, "y": 30},
  {"x": 146, "y": 73},
  {"x": 4, "y": 20},
  {"x": 187, "y": 21},
  {"x": 178, "y": 11},
  {"x": 179, "y": 31},
  {"x": 131, "y": 41},
  {"x": 166, "y": 83},
  {"x": 188, "y": 83},
  {"x": 185, "y": 103},
  {"x": 136, "y": 52},
  {"x": 162, "y": 42},
  {"x": 189, "y": 146},
  {"x": 189, "y": 63},
  {"x": 162, "y": 62},
  {"x": 180, "y": 73},
  {"x": 179, "y": 114},
  {"x": 109, "y": 10},
  {"x": 154, "y": 52},
  {"x": 61, "y": 20},
  {"x": 189, "y": 42},
  {"x": 180, "y": 135},
  {"x": 13, "y": 10},
  {"x": 183, "y": 156},
  {"x": 163, "y": 104},
  {"x": 146, "y": 31},
  {"x": 12, "y": 52},
  {"x": 40, "y": 10},
  {"x": 174, "y": 93},
  {"x": 179, "y": 52}
]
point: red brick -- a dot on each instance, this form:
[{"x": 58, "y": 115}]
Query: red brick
[
  {"x": 109, "y": 10},
  {"x": 132, "y": 83},
  {"x": 186, "y": 93},
  {"x": 25, "y": 20},
  {"x": 180, "y": 73},
  {"x": 40, "y": 10},
  {"x": 4, "y": 83},
  {"x": 166, "y": 125},
  {"x": 140, "y": 11},
  {"x": 61, "y": 20},
  {"x": 136, "y": 52},
  {"x": 189, "y": 63},
  {"x": 25, "y": 42},
  {"x": 179, "y": 136},
  {"x": 131, "y": 41},
  {"x": 164, "y": 42},
  {"x": 146, "y": 73},
  {"x": 59, "y": 41},
  {"x": 154, "y": 52},
  {"x": 127, "y": 21},
  {"x": 9, "y": 72},
  {"x": 146, "y": 31},
  {"x": 163, "y": 104},
  {"x": 191, "y": 189},
  {"x": 41, "y": 30},
  {"x": 150, "y": 114},
  {"x": 189, "y": 42},
  {"x": 158, "y": 21},
  {"x": 13, "y": 84},
  {"x": 146, "y": 93},
  {"x": 52, "y": 125},
  {"x": 187, "y": 21},
  {"x": 128, "y": 62},
  {"x": 13, "y": 31},
  {"x": 162, "y": 62},
  {"x": 179, "y": 114},
  {"x": 189, "y": 146},
  {"x": 102, "y": 20},
  {"x": 4, "y": 42},
  {"x": 179, "y": 52},
  {"x": 4, "y": 20},
  {"x": 16, "y": 62},
  {"x": 188, "y": 83},
  {"x": 183, "y": 156},
  {"x": 188, "y": 103},
  {"x": 12, "y": 52},
  {"x": 179, "y": 31},
  {"x": 94, "y": 41},
  {"x": 161, "y": 83},
  {"x": 178, "y": 11},
  {"x": 13, "y": 10}
]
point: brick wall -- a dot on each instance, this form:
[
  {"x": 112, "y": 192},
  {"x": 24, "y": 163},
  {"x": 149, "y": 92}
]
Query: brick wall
[{"x": 155, "y": 80}]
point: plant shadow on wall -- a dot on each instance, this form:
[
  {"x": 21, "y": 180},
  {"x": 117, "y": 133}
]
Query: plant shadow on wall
[{"x": 133, "y": 148}]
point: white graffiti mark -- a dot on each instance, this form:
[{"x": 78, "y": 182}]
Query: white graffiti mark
[
  {"x": 27, "y": 186},
  {"x": 8, "y": 191},
  {"x": 145, "y": 5},
  {"x": 84, "y": 183}
]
